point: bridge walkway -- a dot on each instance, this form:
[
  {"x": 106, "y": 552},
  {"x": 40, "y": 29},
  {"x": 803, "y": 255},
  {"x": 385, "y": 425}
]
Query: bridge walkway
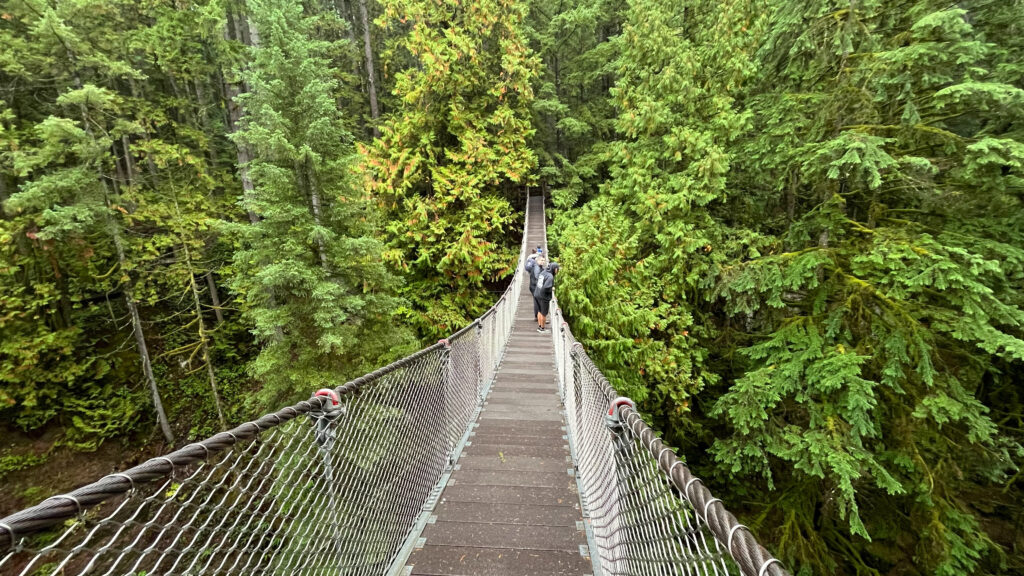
[{"x": 511, "y": 506}]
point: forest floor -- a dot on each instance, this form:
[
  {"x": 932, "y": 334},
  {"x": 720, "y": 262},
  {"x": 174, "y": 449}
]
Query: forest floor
[{"x": 34, "y": 467}]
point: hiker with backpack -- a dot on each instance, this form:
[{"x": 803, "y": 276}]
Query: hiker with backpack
[
  {"x": 542, "y": 295},
  {"x": 531, "y": 265},
  {"x": 535, "y": 266},
  {"x": 534, "y": 253}
]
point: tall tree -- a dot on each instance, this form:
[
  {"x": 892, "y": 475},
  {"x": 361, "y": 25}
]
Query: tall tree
[
  {"x": 650, "y": 241},
  {"x": 317, "y": 293},
  {"x": 449, "y": 156},
  {"x": 818, "y": 207},
  {"x": 573, "y": 110},
  {"x": 888, "y": 306},
  {"x": 371, "y": 75}
]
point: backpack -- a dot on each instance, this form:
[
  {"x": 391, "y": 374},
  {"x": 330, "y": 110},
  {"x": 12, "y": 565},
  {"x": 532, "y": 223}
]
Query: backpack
[
  {"x": 538, "y": 266},
  {"x": 545, "y": 282}
]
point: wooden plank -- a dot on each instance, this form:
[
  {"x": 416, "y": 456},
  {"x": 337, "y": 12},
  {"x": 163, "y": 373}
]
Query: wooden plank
[
  {"x": 505, "y": 386},
  {"x": 510, "y": 495},
  {"x": 516, "y": 440},
  {"x": 529, "y": 411},
  {"x": 507, "y": 449},
  {"x": 512, "y": 416},
  {"x": 523, "y": 428},
  {"x": 469, "y": 561},
  {"x": 531, "y": 514},
  {"x": 546, "y": 398},
  {"x": 499, "y": 478},
  {"x": 517, "y": 536},
  {"x": 509, "y": 463}
]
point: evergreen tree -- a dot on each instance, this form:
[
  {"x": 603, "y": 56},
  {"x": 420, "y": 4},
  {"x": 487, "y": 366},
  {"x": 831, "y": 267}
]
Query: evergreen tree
[
  {"x": 97, "y": 158},
  {"x": 448, "y": 157},
  {"x": 649, "y": 241},
  {"x": 838, "y": 240},
  {"x": 317, "y": 293},
  {"x": 573, "y": 113}
]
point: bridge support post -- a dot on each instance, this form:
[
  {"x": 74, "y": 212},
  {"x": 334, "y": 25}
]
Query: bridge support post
[
  {"x": 331, "y": 410},
  {"x": 446, "y": 402},
  {"x": 483, "y": 361}
]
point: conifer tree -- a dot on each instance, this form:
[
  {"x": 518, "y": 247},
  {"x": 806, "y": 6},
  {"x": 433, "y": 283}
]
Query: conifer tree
[
  {"x": 317, "y": 293},
  {"x": 894, "y": 287},
  {"x": 859, "y": 289},
  {"x": 574, "y": 116},
  {"x": 649, "y": 242},
  {"x": 448, "y": 158}
]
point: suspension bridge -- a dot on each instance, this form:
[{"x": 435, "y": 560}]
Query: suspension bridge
[{"x": 497, "y": 451}]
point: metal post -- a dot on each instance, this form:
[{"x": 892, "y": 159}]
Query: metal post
[{"x": 331, "y": 410}]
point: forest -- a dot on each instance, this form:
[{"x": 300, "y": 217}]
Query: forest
[{"x": 791, "y": 230}]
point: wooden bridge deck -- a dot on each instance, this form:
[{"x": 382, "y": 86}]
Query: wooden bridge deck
[{"x": 511, "y": 506}]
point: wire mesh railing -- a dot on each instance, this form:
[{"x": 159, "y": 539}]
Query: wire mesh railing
[
  {"x": 332, "y": 485},
  {"x": 649, "y": 515}
]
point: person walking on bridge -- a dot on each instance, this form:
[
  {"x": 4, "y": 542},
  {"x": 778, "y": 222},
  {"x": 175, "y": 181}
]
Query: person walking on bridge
[
  {"x": 531, "y": 259},
  {"x": 532, "y": 268},
  {"x": 535, "y": 264},
  {"x": 543, "y": 294}
]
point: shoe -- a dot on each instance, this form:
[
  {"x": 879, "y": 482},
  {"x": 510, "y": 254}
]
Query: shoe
[{"x": 543, "y": 330}]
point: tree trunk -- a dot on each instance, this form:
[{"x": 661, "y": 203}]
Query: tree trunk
[
  {"x": 147, "y": 366},
  {"x": 202, "y": 335},
  {"x": 129, "y": 165},
  {"x": 249, "y": 36},
  {"x": 306, "y": 179},
  {"x": 140, "y": 336},
  {"x": 204, "y": 120},
  {"x": 370, "y": 75},
  {"x": 150, "y": 165},
  {"x": 215, "y": 298},
  {"x": 232, "y": 90}
]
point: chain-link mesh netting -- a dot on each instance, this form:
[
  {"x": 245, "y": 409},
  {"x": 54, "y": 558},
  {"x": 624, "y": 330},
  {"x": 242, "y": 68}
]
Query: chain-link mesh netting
[{"x": 333, "y": 485}]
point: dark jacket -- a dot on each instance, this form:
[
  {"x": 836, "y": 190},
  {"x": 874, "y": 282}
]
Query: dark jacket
[
  {"x": 535, "y": 271},
  {"x": 545, "y": 286}
]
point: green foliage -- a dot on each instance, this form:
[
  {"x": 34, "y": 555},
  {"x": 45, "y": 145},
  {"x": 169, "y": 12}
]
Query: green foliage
[
  {"x": 447, "y": 160},
  {"x": 792, "y": 230},
  {"x": 317, "y": 294},
  {"x": 572, "y": 114},
  {"x": 814, "y": 218},
  {"x": 648, "y": 243},
  {"x": 16, "y": 462}
]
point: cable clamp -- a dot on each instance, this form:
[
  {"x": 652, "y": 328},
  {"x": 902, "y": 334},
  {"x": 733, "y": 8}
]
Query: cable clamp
[
  {"x": 78, "y": 504},
  {"x": 612, "y": 419},
  {"x": 125, "y": 476},
  {"x": 330, "y": 410},
  {"x": 767, "y": 563},
  {"x": 728, "y": 542}
]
